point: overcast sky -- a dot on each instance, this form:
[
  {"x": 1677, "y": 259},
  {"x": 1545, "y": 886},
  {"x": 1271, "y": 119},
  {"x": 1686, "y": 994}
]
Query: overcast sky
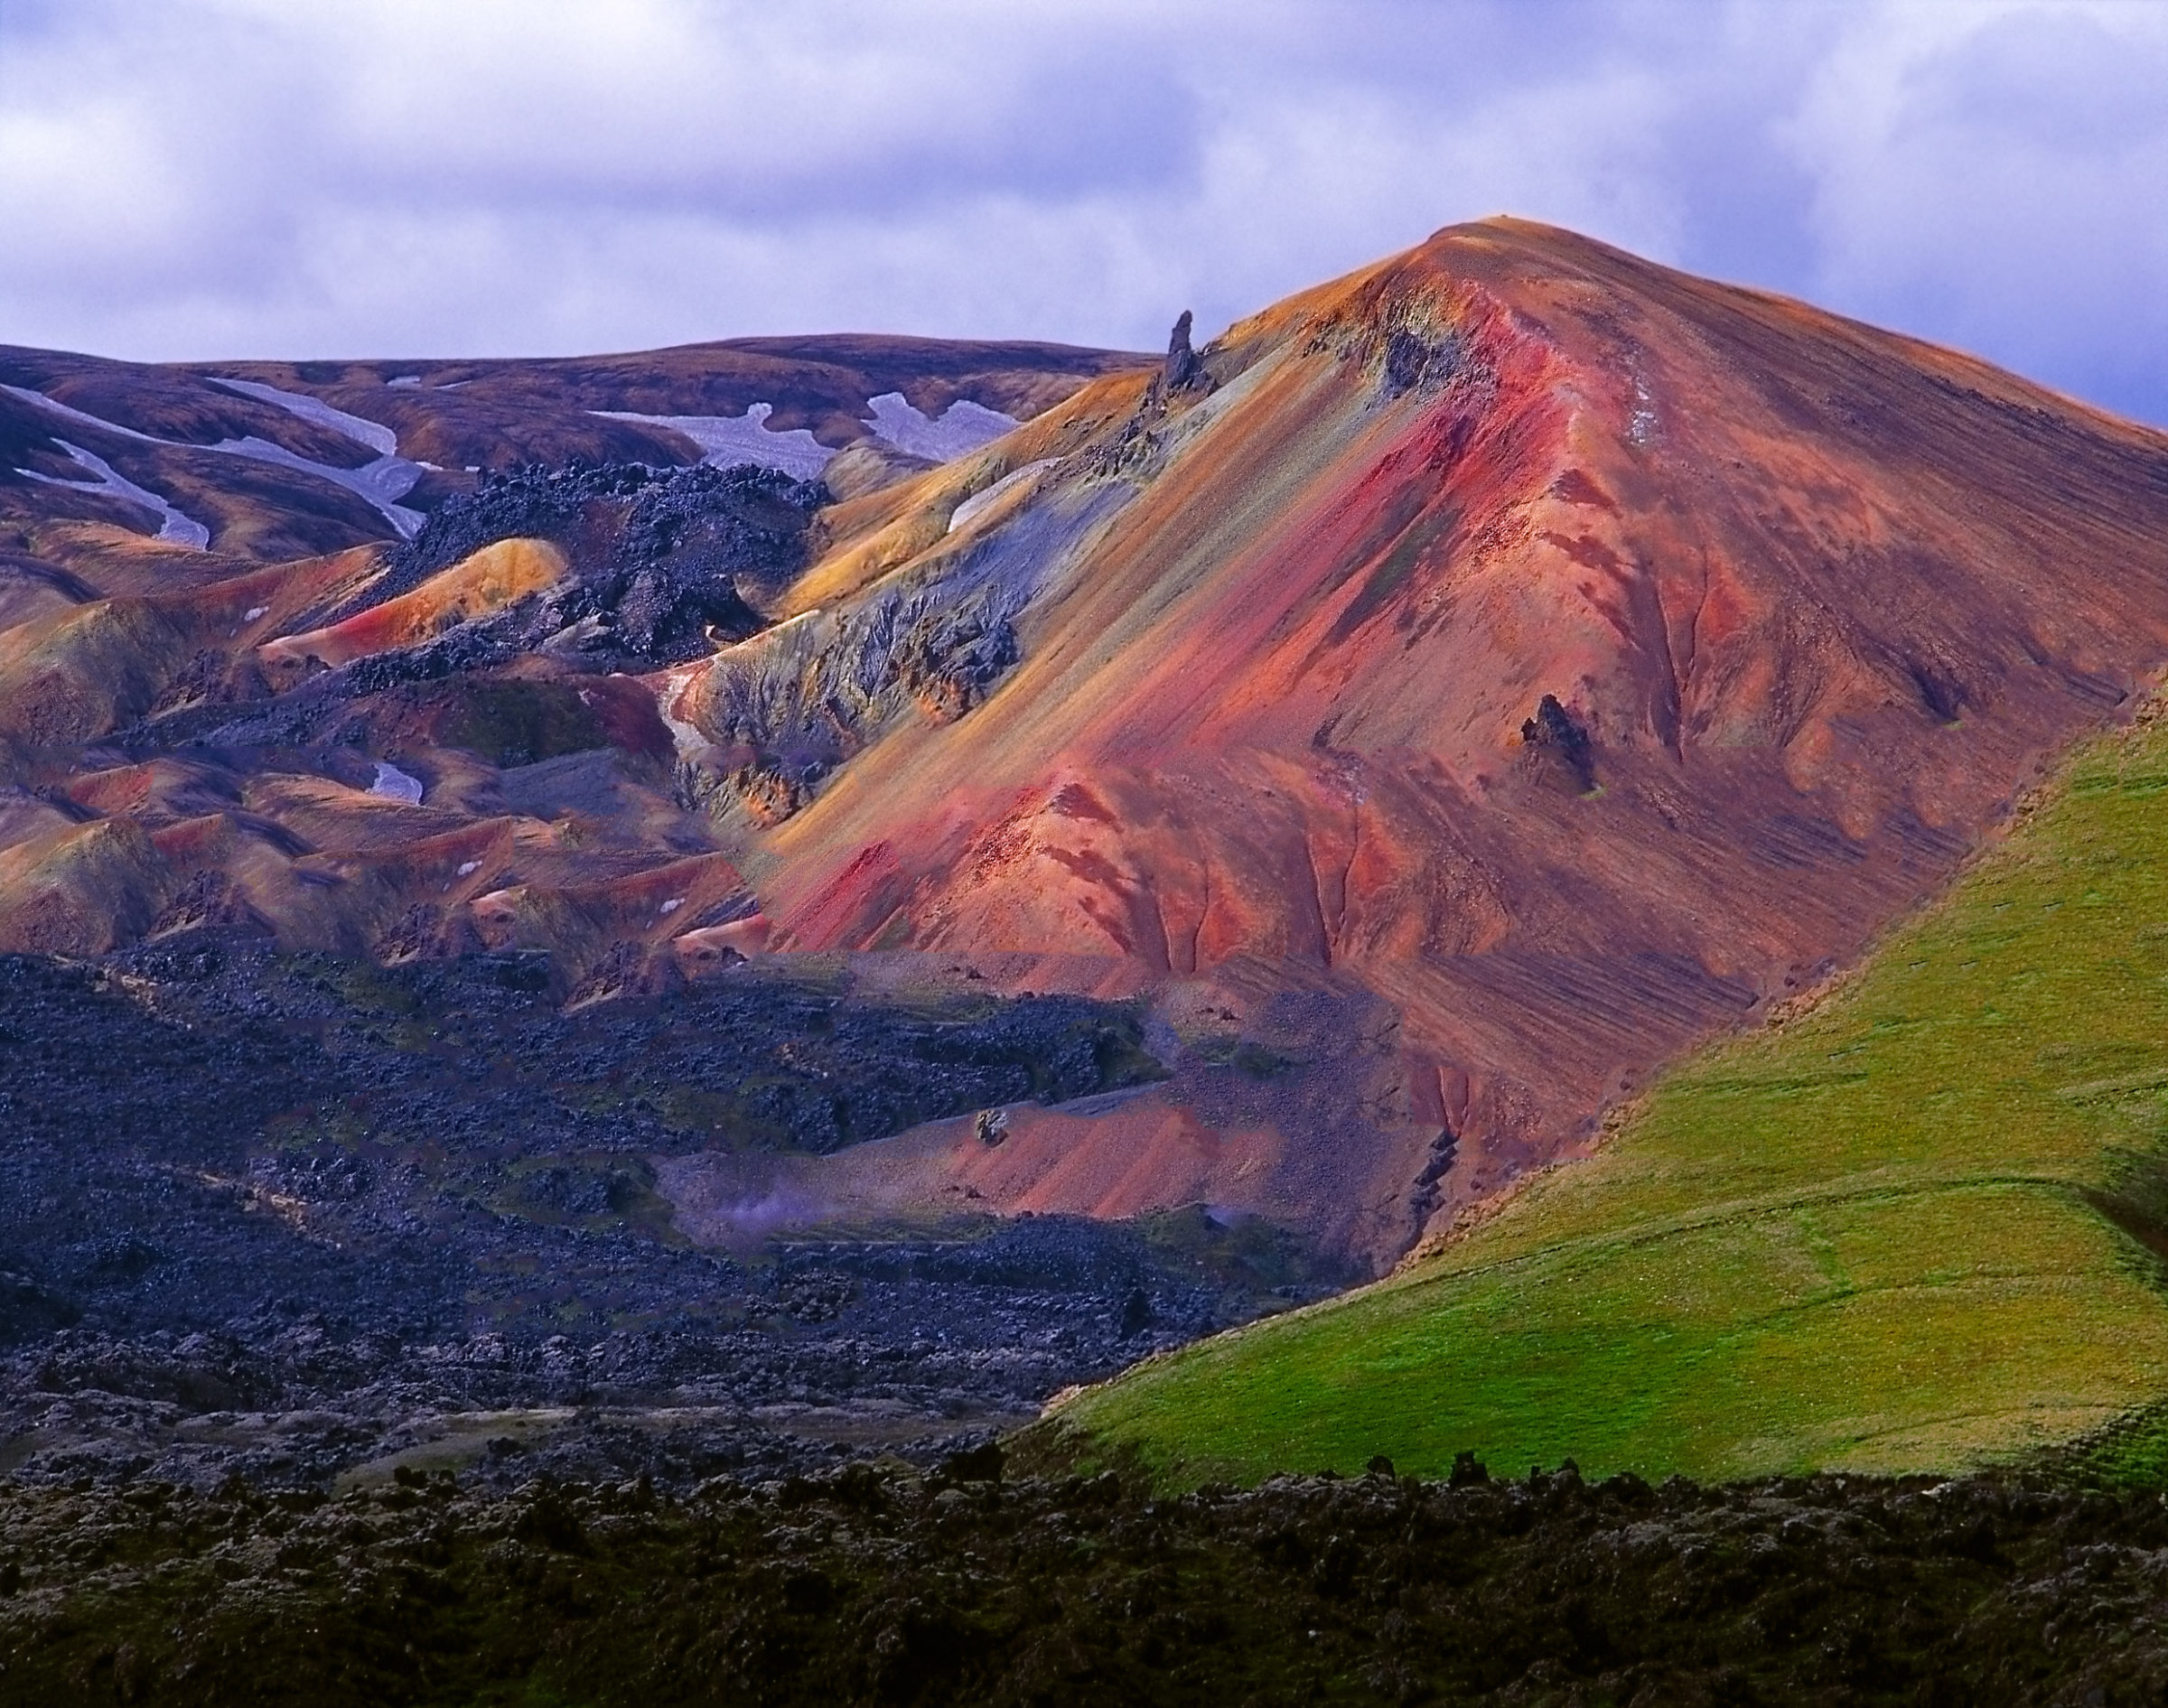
[{"x": 199, "y": 178}]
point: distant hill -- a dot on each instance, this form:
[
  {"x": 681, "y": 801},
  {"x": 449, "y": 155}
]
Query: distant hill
[{"x": 265, "y": 460}]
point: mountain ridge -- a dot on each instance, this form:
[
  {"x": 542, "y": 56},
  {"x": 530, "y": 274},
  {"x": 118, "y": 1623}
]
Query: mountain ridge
[
  {"x": 1877, "y": 723},
  {"x": 266, "y": 456},
  {"x": 1442, "y": 700}
]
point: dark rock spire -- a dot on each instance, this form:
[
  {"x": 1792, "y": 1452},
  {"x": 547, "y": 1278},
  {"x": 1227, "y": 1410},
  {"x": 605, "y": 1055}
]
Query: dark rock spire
[{"x": 1182, "y": 366}]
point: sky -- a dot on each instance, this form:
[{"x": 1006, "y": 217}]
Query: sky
[{"x": 197, "y": 179}]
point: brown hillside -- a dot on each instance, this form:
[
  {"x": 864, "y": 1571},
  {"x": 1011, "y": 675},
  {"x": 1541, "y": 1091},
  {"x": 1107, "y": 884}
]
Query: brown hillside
[{"x": 165, "y": 427}]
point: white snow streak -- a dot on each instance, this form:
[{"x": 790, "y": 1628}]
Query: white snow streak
[
  {"x": 979, "y": 503},
  {"x": 370, "y": 435},
  {"x": 725, "y": 440},
  {"x": 961, "y": 428},
  {"x": 379, "y": 484},
  {"x": 172, "y": 526}
]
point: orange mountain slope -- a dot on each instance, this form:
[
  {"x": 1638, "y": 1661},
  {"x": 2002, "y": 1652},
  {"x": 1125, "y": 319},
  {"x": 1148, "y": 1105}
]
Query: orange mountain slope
[{"x": 1489, "y": 675}]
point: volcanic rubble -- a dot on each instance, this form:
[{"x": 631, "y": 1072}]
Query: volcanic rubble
[{"x": 299, "y": 1217}]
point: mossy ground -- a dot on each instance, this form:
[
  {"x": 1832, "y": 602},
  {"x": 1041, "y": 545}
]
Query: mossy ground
[
  {"x": 1912, "y": 1228},
  {"x": 873, "y": 1584}
]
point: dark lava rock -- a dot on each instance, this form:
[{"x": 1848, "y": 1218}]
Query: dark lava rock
[
  {"x": 702, "y": 523},
  {"x": 655, "y": 555},
  {"x": 1558, "y": 746},
  {"x": 1413, "y": 361},
  {"x": 868, "y": 1584},
  {"x": 292, "y": 1216},
  {"x": 1182, "y": 367},
  {"x": 28, "y": 1310}
]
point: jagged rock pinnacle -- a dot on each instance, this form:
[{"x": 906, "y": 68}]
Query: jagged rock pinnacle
[{"x": 1182, "y": 366}]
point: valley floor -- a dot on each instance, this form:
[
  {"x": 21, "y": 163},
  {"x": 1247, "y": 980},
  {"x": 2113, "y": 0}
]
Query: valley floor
[{"x": 310, "y": 1221}]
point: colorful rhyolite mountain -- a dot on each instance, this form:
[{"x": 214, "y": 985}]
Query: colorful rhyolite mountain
[{"x": 1443, "y": 700}]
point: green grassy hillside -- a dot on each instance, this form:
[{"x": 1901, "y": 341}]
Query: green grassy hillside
[{"x": 1913, "y": 1228}]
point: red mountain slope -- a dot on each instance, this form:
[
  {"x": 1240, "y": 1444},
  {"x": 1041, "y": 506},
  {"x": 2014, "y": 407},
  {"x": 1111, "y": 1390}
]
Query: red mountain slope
[{"x": 1514, "y": 663}]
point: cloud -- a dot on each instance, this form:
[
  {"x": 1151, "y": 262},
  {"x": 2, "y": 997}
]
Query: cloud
[
  {"x": 206, "y": 177},
  {"x": 1989, "y": 175}
]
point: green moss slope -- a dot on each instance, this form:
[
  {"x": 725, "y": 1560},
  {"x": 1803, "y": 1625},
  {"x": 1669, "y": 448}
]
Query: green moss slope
[{"x": 1912, "y": 1229}]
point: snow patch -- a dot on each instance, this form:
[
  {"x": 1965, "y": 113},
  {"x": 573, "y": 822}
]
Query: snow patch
[
  {"x": 404, "y": 380},
  {"x": 961, "y": 428},
  {"x": 978, "y": 504},
  {"x": 468, "y": 868},
  {"x": 377, "y": 484},
  {"x": 394, "y": 784},
  {"x": 725, "y": 440},
  {"x": 172, "y": 526},
  {"x": 254, "y": 612},
  {"x": 370, "y": 435},
  {"x": 380, "y": 484},
  {"x": 673, "y": 904}
]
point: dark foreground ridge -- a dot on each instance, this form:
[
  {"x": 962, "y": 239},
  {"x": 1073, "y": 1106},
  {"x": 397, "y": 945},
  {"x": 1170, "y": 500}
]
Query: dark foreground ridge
[{"x": 873, "y": 1584}]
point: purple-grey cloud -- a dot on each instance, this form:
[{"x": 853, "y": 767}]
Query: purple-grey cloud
[{"x": 227, "y": 177}]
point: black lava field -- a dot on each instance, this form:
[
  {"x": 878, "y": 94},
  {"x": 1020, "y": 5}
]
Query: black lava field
[{"x": 297, "y": 1218}]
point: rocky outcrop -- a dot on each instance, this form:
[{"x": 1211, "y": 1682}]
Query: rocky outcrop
[
  {"x": 1182, "y": 368},
  {"x": 1558, "y": 747},
  {"x": 655, "y": 555}
]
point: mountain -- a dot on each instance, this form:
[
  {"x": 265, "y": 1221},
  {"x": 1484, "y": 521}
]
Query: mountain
[
  {"x": 1436, "y": 705},
  {"x": 1452, "y": 694}
]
